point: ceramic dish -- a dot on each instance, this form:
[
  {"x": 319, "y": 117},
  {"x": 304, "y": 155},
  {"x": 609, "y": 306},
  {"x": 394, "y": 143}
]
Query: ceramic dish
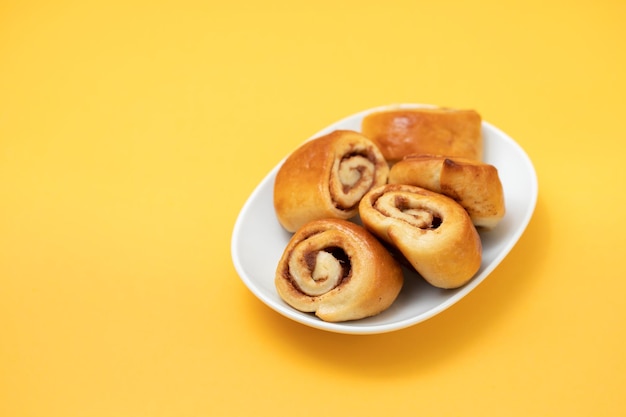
[{"x": 258, "y": 240}]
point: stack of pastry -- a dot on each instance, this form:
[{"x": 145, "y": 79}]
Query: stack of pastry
[
  {"x": 417, "y": 181},
  {"x": 332, "y": 267},
  {"x": 474, "y": 185},
  {"x": 440, "y": 149}
]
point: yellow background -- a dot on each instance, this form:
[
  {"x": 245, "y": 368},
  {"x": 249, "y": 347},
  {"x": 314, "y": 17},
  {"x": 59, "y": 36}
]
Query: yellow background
[{"x": 131, "y": 134}]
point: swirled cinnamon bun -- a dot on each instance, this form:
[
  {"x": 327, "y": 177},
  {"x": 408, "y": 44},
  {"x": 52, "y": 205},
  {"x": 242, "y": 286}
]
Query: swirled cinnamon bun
[
  {"x": 435, "y": 131},
  {"x": 326, "y": 177},
  {"x": 433, "y": 232},
  {"x": 338, "y": 270},
  {"x": 474, "y": 185}
]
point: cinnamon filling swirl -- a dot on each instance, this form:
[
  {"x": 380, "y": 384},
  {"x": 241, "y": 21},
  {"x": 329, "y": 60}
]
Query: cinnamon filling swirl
[
  {"x": 351, "y": 177},
  {"x": 409, "y": 210},
  {"x": 316, "y": 268}
]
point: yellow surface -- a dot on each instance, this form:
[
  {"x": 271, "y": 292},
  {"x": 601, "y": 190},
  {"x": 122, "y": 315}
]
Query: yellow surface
[{"x": 131, "y": 134}]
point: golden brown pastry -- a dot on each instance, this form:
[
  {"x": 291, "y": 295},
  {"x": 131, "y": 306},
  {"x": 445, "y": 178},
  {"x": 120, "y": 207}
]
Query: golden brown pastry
[
  {"x": 432, "y": 231},
  {"x": 434, "y": 131},
  {"x": 326, "y": 177},
  {"x": 338, "y": 270},
  {"x": 474, "y": 185}
]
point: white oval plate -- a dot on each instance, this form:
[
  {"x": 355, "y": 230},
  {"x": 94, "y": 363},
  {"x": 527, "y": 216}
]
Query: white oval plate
[{"x": 258, "y": 240}]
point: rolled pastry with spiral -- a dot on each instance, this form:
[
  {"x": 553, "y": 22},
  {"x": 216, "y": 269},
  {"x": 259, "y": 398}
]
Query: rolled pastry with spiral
[
  {"x": 474, "y": 185},
  {"x": 436, "y": 131},
  {"x": 338, "y": 270},
  {"x": 326, "y": 177},
  {"x": 432, "y": 232}
]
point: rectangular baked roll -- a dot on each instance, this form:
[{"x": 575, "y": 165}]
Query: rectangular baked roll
[{"x": 433, "y": 131}]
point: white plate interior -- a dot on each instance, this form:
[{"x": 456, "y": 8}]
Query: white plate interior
[{"x": 258, "y": 240}]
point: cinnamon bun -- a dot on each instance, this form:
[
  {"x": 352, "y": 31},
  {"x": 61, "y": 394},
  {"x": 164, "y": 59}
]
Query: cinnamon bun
[
  {"x": 338, "y": 270},
  {"x": 433, "y": 232},
  {"x": 326, "y": 177}
]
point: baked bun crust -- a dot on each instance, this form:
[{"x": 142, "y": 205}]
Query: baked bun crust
[
  {"x": 474, "y": 185},
  {"x": 433, "y": 232},
  {"x": 326, "y": 177},
  {"x": 434, "y": 131},
  {"x": 338, "y": 270}
]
